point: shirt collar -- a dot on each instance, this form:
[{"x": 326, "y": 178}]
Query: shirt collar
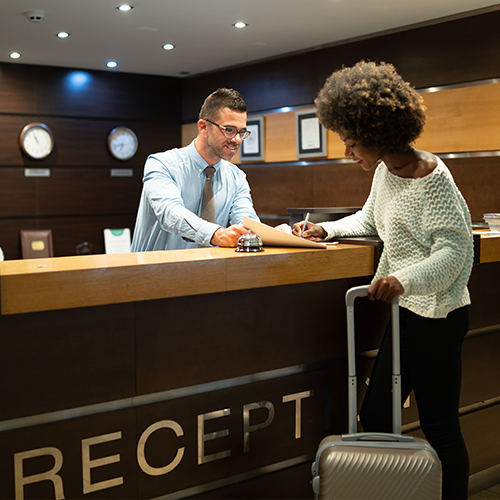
[{"x": 198, "y": 160}]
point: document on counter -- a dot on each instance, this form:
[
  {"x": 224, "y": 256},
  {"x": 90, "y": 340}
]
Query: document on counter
[{"x": 274, "y": 237}]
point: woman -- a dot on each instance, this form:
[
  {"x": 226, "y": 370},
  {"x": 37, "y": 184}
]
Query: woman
[{"x": 417, "y": 210}]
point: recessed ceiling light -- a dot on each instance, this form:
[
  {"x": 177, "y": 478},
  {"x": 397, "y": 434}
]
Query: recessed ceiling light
[
  {"x": 125, "y": 7},
  {"x": 111, "y": 64},
  {"x": 240, "y": 24},
  {"x": 63, "y": 34},
  {"x": 15, "y": 55},
  {"x": 169, "y": 46}
]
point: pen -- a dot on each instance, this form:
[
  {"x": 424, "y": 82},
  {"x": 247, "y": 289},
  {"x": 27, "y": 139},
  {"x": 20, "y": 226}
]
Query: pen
[{"x": 305, "y": 224}]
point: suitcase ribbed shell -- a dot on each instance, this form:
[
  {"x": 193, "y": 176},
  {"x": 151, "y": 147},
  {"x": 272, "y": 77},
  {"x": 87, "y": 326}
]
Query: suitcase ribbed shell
[{"x": 349, "y": 473}]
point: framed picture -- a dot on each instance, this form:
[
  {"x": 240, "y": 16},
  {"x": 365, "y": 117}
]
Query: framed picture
[
  {"x": 310, "y": 135},
  {"x": 252, "y": 148}
]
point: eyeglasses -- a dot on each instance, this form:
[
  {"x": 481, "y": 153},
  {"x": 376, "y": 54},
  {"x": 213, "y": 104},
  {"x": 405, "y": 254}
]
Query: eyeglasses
[{"x": 231, "y": 132}]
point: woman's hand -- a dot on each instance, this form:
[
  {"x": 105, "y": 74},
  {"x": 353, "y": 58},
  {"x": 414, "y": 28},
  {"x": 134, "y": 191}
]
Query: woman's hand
[
  {"x": 284, "y": 228},
  {"x": 313, "y": 232},
  {"x": 385, "y": 289}
]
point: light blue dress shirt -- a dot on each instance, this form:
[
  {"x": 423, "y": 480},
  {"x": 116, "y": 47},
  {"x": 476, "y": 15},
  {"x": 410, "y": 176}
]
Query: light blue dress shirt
[{"x": 169, "y": 210}]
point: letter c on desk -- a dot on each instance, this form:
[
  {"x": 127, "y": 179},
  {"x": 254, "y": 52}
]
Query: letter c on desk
[{"x": 141, "y": 445}]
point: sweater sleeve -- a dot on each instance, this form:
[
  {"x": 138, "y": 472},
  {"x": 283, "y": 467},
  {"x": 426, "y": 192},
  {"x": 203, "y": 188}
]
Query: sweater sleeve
[{"x": 448, "y": 229}]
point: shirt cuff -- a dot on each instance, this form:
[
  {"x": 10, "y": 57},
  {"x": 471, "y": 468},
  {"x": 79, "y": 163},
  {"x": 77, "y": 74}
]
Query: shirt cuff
[{"x": 205, "y": 233}]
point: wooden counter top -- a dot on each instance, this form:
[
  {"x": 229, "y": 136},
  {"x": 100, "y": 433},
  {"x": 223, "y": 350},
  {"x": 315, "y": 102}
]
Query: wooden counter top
[
  {"x": 34, "y": 285},
  {"x": 490, "y": 247}
]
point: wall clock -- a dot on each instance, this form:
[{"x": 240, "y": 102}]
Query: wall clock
[
  {"x": 122, "y": 143},
  {"x": 36, "y": 141}
]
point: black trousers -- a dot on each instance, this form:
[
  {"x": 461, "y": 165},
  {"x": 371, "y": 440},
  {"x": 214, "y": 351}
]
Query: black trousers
[{"x": 431, "y": 365}]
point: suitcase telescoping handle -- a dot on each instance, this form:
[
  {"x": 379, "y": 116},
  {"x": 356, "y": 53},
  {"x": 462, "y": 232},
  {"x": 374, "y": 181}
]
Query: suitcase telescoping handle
[{"x": 351, "y": 295}]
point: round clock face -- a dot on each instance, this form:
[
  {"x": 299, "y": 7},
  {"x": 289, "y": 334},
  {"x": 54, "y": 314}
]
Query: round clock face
[
  {"x": 37, "y": 140},
  {"x": 122, "y": 143}
]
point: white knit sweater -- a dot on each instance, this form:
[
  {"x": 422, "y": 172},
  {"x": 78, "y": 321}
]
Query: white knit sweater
[{"x": 426, "y": 229}]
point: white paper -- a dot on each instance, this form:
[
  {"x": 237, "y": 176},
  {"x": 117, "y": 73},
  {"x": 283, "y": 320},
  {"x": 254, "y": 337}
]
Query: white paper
[
  {"x": 117, "y": 240},
  {"x": 251, "y": 144},
  {"x": 310, "y": 133},
  {"x": 274, "y": 237}
]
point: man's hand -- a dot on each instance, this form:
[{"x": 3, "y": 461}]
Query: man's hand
[
  {"x": 385, "y": 289},
  {"x": 313, "y": 232},
  {"x": 228, "y": 237}
]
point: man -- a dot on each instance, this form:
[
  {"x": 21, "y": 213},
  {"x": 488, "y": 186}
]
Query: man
[{"x": 169, "y": 215}]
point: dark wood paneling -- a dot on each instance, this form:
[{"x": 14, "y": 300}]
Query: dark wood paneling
[
  {"x": 80, "y": 198},
  {"x": 441, "y": 54},
  {"x": 68, "y": 191},
  {"x": 293, "y": 483},
  {"x": 10, "y": 238},
  {"x": 479, "y": 181},
  {"x": 88, "y": 191},
  {"x": 67, "y": 437},
  {"x": 17, "y": 89},
  {"x": 341, "y": 185},
  {"x": 65, "y": 359},
  {"x": 216, "y": 349},
  {"x": 480, "y": 431},
  {"x": 286, "y": 81},
  {"x": 276, "y": 188},
  {"x": 457, "y": 51},
  {"x": 49, "y": 90},
  {"x": 18, "y": 194},
  {"x": 84, "y": 142},
  {"x": 269, "y": 445},
  {"x": 484, "y": 295},
  {"x": 67, "y": 232},
  {"x": 481, "y": 370}
]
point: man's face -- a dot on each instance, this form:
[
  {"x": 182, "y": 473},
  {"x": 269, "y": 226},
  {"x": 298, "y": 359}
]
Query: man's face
[{"x": 218, "y": 145}]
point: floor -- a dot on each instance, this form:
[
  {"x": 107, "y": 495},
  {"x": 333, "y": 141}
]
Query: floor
[{"x": 489, "y": 494}]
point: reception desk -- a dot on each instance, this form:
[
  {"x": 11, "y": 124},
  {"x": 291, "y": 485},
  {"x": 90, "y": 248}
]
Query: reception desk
[{"x": 201, "y": 373}]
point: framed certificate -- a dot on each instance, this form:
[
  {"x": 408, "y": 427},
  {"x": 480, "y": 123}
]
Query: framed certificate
[
  {"x": 252, "y": 148},
  {"x": 310, "y": 135}
]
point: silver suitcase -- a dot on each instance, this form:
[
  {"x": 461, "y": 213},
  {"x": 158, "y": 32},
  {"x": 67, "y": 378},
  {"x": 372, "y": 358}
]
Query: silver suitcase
[{"x": 374, "y": 466}]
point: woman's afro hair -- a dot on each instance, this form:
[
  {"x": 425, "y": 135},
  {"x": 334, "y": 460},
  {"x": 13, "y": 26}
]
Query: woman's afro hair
[{"x": 371, "y": 103}]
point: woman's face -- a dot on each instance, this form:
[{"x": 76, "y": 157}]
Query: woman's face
[{"x": 366, "y": 158}]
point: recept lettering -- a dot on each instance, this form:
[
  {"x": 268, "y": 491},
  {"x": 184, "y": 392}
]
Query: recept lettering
[
  {"x": 141, "y": 446},
  {"x": 247, "y": 428},
  {"x": 88, "y": 464},
  {"x": 202, "y": 437},
  {"x": 298, "y": 397},
  {"x": 50, "y": 475}
]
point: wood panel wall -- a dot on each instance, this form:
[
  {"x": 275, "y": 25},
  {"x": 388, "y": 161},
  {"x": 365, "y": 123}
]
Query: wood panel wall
[
  {"x": 459, "y": 120},
  {"x": 81, "y": 197},
  {"x": 446, "y": 53}
]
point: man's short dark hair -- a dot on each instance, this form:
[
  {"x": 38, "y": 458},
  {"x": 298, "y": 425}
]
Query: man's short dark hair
[{"x": 222, "y": 98}]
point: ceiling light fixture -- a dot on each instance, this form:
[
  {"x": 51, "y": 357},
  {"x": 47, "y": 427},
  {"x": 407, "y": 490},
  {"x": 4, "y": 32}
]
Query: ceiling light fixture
[
  {"x": 63, "y": 34},
  {"x": 169, "y": 46},
  {"x": 15, "y": 55},
  {"x": 240, "y": 24},
  {"x": 125, "y": 8},
  {"x": 111, "y": 64}
]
